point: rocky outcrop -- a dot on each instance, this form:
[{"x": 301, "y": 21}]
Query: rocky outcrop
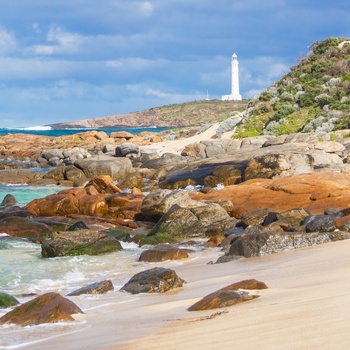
[
  {"x": 26, "y": 228},
  {"x": 228, "y": 296},
  {"x": 94, "y": 288},
  {"x": 100, "y": 197},
  {"x": 81, "y": 242},
  {"x": 313, "y": 191},
  {"x": 47, "y": 308},
  {"x": 156, "y": 280},
  {"x": 263, "y": 243}
]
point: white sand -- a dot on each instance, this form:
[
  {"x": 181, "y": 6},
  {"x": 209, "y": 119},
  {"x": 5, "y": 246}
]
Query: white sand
[
  {"x": 305, "y": 307},
  {"x": 176, "y": 146}
]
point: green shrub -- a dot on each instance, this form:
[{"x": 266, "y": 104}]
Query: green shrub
[{"x": 283, "y": 111}]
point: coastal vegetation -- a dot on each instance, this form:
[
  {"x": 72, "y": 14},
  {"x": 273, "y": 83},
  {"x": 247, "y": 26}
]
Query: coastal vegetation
[{"x": 312, "y": 97}]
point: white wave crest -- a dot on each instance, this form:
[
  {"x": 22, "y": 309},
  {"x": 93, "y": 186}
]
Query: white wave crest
[{"x": 39, "y": 127}]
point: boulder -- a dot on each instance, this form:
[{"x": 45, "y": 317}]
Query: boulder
[
  {"x": 156, "y": 280},
  {"x": 278, "y": 165},
  {"x": 116, "y": 168},
  {"x": 206, "y": 220},
  {"x": 126, "y": 149},
  {"x": 25, "y": 228},
  {"x": 162, "y": 253},
  {"x": 223, "y": 174},
  {"x": 94, "y": 288},
  {"x": 228, "y": 296},
  {"x": 9, "y": 201},
  {"x": 104, "y": 184},
  {"x": 320, "y": 223},
  {"x": 82, "y": 242},
  {"x": 7, "y": 300},
  {"x": 264, "y": 243},
  {"x": 254, "y": 217},
  {"x": 158, "y": 202},
  {"x": 19, "y": 176},
  {"x": 133, "y": 180},
  {"x": 47, "y": 308}
]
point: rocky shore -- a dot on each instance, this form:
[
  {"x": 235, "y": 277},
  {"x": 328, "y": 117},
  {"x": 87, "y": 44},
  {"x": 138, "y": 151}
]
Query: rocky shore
[{"x": 248, "y": 198}]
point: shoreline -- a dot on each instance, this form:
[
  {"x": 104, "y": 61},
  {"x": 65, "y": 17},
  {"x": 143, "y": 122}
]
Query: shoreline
[{"x": 304, "y": 307}]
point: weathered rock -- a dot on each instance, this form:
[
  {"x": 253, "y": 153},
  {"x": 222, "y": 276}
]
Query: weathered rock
[
  {"x": 7, "y": 300},
  {"x": 133, "y": 180},
  {"x": 94, "y": 288},
  {"x": 223, "y": 174},
  {"x": 18, "y": 176},
  {"x": 47, "y": 308},
  {"x": 158, "y": 202},
  {"x": 9, "y": 201},
  {"x": 313, "y": 191},
  {"x": 156, "y": 280},
  {"x": 116, "y": 168},
  {"x": 25, "y": 228},
  {"x": 320, "y": 223},
  {"x": 79, "y": 243},
  {"x": 264, "y": 243},
  {"x": 126, "y": 149},
  {"x": 228, "y": 296},
  {"x": 195, "y": 150},
  {"x": 104, "y": 184},
  {"x": 206, "y": 220},
  {"x": 254, "y": 217},
  {"x": 278, "y": 165},
  {"x": 162, "y": 253}
]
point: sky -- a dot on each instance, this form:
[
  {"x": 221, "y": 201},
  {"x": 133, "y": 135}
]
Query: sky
[{"x": 65, "y": 60}]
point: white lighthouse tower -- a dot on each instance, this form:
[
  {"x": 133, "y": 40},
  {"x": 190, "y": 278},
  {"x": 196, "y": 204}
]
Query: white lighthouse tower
[{"x": 234, "y": 82}]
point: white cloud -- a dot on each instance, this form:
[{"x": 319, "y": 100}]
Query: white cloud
[
  {"x": 146, "y": 8},
  {"x": 7, "y": 42},
  {"x": 63, "y": 43}
]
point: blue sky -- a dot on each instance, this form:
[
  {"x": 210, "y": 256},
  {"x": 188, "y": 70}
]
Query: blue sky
[{"x": 63, "y": 60}]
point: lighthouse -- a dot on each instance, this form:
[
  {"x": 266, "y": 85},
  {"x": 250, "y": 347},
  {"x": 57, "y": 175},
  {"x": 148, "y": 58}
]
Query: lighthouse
[{"x": 235, "y": 95}]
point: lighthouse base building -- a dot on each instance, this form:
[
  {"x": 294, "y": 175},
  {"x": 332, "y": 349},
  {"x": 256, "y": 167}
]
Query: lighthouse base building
[{"x": 235, "y": 95}]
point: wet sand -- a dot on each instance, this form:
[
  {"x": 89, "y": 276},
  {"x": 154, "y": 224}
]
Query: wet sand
[{"x": 305, "y": 307}]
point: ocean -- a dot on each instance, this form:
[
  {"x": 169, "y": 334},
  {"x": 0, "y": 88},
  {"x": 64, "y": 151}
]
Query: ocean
[{"x": 48, "y": 131}]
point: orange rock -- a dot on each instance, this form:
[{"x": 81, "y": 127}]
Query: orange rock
[{"x": 312, "y": 191}]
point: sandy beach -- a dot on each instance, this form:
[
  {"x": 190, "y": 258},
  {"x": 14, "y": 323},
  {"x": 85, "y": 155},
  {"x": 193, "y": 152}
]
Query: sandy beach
[{"x": 305, "y": 307}]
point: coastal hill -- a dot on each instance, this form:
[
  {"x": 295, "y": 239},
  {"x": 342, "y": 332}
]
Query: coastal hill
[
  {"x": 177, "y": 115},
  {"x": 313, "y": 97}
]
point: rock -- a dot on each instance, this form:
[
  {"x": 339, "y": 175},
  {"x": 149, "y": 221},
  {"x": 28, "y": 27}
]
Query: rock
[
  {"x": 25, "y": 228},
  {"x": 133, "y": 180},
  {"x": 94, "y": 288},
  {"x": 162, "y": 253},
  {"x": 254, "y": 217},
  {"x": 223, "y": 174},
  {"x": 7, "y": 300},
  {"x": 104, "y": 184},
  {"x": 264, "y": 243},
  {"x": 9, "y": 201},
  {"x": 228, "y": 296},
  {"x": 79, "y": 225},
  {"x": 195, "y": 150},
  {"x": 313, "y": 191},
  {"x": 116, "y": 168},
  {"x": 79, "y": 243},
  {"x": 126, "y": 149},
  {"x": 47, "y": 308},
  {"x": 158, "y": 202},
  {"x": 156, "y": 280},
  {"x": 320, "y": 223},
  {"x": 18, "y": 176},
  {"x": 206, "y": 220},
  {"x": 278, "y": 165}
]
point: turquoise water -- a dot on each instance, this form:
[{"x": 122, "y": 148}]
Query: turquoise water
[
  {"x": 24, "y": 193},
  {"x": 46, "y": 131}
]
